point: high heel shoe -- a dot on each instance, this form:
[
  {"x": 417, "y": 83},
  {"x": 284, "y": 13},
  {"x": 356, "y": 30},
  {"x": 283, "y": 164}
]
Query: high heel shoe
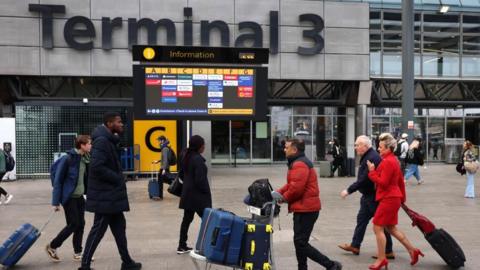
[
  {"x": 414, "y": 256},
  {"x": 380, "y": 266}
]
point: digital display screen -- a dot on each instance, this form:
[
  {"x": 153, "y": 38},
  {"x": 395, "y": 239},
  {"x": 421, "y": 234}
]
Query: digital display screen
[{"x": 201, "y": 92}]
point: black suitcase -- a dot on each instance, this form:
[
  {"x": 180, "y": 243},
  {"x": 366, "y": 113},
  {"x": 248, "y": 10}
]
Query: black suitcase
[
  {"x": 447, "y": 248},
  {"x": 256, "y": 246}
]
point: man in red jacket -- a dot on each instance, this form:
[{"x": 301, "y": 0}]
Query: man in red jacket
[{"x": 302, "y": 195}]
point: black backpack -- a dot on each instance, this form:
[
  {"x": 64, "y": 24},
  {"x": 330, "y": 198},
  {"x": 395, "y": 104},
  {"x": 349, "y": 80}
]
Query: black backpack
[
  {"x": 398, "y": 149},
  {"x": 9, "y": 162},
  {"x": 172, "y": 158},
  {"x": 260, "y": 192}
]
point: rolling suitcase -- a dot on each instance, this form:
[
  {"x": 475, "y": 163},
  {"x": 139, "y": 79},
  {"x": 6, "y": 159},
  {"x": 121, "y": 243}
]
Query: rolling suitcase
[
  {"x": 13, "y": 249},
  {"x": 153, "y": 188},
  {"x": 350, "y": 167},
  {"x": 256, "y": 246},
  {"x": 325, "y": 169},
  {"x": 442, "y": 242},
  {"x": 220, "y": 236}
]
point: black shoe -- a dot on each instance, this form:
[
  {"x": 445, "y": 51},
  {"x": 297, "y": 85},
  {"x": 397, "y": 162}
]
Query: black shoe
[
  {"x": 183, "y": 250},
  {"x": 131, "y": 266},
  {"x": 336, "y": 266}
]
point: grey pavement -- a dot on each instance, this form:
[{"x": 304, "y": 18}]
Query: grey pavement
[{"x": 153, "y": 227}]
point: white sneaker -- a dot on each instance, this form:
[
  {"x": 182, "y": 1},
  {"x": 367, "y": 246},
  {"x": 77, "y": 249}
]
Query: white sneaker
[
  {"x": 78, "y": 257},
  {"x": 8, "y": 198}
]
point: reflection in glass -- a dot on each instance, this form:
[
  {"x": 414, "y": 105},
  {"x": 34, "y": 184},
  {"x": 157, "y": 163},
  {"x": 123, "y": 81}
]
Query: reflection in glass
[
  {"x": 454, "y": 128},
  {"x": 281, "y": 130},
  {"x": 220, "y": 141},
  {"x": 436, "y": 134},
  {"x": 261, "y": 142},
  {"x": 303, "y": 130},
  {"x": 241, "y": 141}
]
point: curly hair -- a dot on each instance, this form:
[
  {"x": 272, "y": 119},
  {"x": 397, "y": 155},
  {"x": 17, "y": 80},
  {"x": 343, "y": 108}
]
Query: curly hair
[{"x": 388, "y": 140}]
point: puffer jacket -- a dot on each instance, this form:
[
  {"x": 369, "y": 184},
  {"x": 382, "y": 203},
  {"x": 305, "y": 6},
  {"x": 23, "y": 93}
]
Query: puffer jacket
[{"x": 301, "y": 191}]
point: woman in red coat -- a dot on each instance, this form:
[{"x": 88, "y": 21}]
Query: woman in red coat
[{"x": 388, "y": 179}]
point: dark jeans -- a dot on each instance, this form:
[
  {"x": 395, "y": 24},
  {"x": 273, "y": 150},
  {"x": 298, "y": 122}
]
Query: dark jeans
[
  {"x": 187, "y": 220},
  {"x": 337, "y": 164},
  {"x": 368, "y": 205},
  {"x": 302, "y": 229},
  {"x": 161, "y": 179},
  {"x": 75, "y": 217},
  {"x": 403, "y": 165},
  {"x": 101, "y": 222}
]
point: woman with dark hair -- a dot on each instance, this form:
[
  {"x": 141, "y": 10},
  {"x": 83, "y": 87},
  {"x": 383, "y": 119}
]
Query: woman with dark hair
[
  {"x": 196, "y": 195},
  {"x": 390, "y": 194}
]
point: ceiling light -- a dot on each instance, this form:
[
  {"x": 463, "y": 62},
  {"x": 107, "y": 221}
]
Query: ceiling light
[{"x": 444, "y": 9}]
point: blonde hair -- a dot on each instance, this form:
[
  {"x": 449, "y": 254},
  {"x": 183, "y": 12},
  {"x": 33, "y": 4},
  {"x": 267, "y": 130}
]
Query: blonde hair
[
  {"x": 388, "y": 140},
  {"x": 414, "y": 144}
]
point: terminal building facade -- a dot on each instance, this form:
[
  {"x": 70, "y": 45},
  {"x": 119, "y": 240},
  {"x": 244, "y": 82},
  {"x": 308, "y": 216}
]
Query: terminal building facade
[{"x": 334, "y": 71}]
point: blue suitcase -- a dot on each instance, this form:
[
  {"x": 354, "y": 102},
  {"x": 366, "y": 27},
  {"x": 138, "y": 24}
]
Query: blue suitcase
[
  {"x": 220, "y": 237},
  {"x": 19, "y": 242},
  {"x": 256, "y": 246},
  {"x": 153, "y": 189}
]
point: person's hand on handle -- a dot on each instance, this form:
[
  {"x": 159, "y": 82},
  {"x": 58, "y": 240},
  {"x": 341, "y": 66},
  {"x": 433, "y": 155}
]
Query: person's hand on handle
[
  {"x": 344, "y": 194},
  {"x": 370, "y": 165}
]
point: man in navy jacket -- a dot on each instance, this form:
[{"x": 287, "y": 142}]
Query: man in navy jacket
[
  {"x": 69, "y": 186},
  {"x": 107, "y": 192},
  {"x": 368, "y": 205}
]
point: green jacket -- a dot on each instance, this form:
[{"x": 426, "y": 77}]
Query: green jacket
[{"x": 3, "y": 163}]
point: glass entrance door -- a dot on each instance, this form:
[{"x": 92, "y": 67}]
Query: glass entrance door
[
  {"x": 241, "y": 141},
  {"x": 436, "y": 135},
  {"x": 303, "y": 129}
]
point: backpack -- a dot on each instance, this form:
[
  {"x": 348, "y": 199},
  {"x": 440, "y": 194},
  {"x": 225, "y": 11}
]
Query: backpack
[
  {"x": 56, "y": 166},
  {"x": 260, "y": 192},
  {"x": 172, "y": 158},
  {"x": 9, "y": 162},
  {"x": 398, "y": 149}
]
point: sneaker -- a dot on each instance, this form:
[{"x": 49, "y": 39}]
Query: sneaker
[
  {"x": 183, "y": 250},
  {"x": 131, "y": 266},
  {"x": 52, "y": 253},
  {"x": 78, "y": 257},
  {"x": 8, "y": 198},
  {"x": 420, "y": 182},
  {"x": 336, "y": 266}
]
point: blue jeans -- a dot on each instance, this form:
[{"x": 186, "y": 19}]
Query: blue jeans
[
  {"x": 412, "y": 169},
  {"x": 470, "y": 190}
]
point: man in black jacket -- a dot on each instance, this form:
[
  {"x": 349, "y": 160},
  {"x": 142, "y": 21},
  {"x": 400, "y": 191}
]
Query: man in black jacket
[
  {"x": 107, "y": 192},
  {"x": 368, "y": 205}
]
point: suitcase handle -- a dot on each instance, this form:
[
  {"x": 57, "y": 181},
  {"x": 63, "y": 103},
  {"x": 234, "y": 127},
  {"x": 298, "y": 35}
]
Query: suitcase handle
[{"x": 50, "y": 217}]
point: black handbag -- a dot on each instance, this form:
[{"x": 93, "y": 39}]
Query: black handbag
[
  {"x": 460, "y": 168},
  {"x": 176, "y": 186}
]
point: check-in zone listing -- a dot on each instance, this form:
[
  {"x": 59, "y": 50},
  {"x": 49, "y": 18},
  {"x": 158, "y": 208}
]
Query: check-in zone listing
[{"x": 199, "y": 91}]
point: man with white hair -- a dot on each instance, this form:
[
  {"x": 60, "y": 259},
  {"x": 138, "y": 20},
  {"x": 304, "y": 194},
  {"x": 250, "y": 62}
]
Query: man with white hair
[{"x": 368, "y": 205}]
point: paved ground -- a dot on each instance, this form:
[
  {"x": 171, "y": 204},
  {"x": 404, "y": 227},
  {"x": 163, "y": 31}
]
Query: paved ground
[{"x": 153, "y": 227}]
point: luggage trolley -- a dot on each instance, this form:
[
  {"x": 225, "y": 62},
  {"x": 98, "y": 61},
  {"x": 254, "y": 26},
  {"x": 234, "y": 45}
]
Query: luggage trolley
[{"x": 257, "y": 217}]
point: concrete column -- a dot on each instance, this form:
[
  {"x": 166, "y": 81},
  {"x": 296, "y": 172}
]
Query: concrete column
[
  {"x": 350, "y": 136},
  {"x": 361, "y": 120},
  {"x": 204, "y": 129}
]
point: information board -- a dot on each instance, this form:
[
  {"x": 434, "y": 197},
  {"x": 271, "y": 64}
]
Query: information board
[{"x": 200, "y": 92}]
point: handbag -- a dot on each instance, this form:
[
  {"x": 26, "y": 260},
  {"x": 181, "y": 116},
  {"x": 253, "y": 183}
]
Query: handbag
[
  {"x": 460, "y": 169},
  {"x": 176, "y": 186},
  {"x": 471, "y": 166}
]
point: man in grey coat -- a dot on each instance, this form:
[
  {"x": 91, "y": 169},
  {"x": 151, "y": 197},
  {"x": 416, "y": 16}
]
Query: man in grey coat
[{"x": 164, "y": 172}]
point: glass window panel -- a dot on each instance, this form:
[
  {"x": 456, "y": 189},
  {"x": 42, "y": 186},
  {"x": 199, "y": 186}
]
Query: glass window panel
[
  {"x": 323, "y": 134},
  {"x": 454, "y": 112},
  {"x": 375, "y": 21},
  {"x": 436, "y": 112},
  {"x": 431, "y": 2},
  {"x": 451, "y": 2},
  {"x": 454, "y": 128},
  {"x": 281, "y": 130},
  {"x": 302, "y": 110},
  {"x": 392, "y": 21},
  {"x": 220, "y": 141},
  {"x": 375, "y": 67},
  {"x": 471, "y": 66},
  {"x": 440, "y": 65},
  {"x": 471, "y": 24},
  {"x": 472, "y": 112},
  {"x": 261, "y": 142},
  {"x": 471, "y": 3},
  {"x": 436, "y": 134},
  {"x": 303, "y": 130},
  {"x": 471, "y": 44},
  {"x": 241, "y": 141}
]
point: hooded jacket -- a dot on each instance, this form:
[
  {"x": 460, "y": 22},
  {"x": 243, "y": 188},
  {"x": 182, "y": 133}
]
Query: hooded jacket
[
  {"x": 67, "y": 177},
  {"x": 301, "y": 191},
  {"x": 107, "y": 190}
]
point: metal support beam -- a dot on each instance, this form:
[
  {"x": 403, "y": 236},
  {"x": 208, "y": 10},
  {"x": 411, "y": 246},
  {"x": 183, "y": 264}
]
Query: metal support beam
[{"x": 408, "y": 83}]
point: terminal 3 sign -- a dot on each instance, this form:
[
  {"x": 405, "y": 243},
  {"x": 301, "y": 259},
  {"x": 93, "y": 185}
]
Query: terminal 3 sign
[{"x": 79, "y": 27}]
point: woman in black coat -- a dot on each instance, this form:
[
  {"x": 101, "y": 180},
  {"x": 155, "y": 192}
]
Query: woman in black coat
[{"x": 196, "y": 195}]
